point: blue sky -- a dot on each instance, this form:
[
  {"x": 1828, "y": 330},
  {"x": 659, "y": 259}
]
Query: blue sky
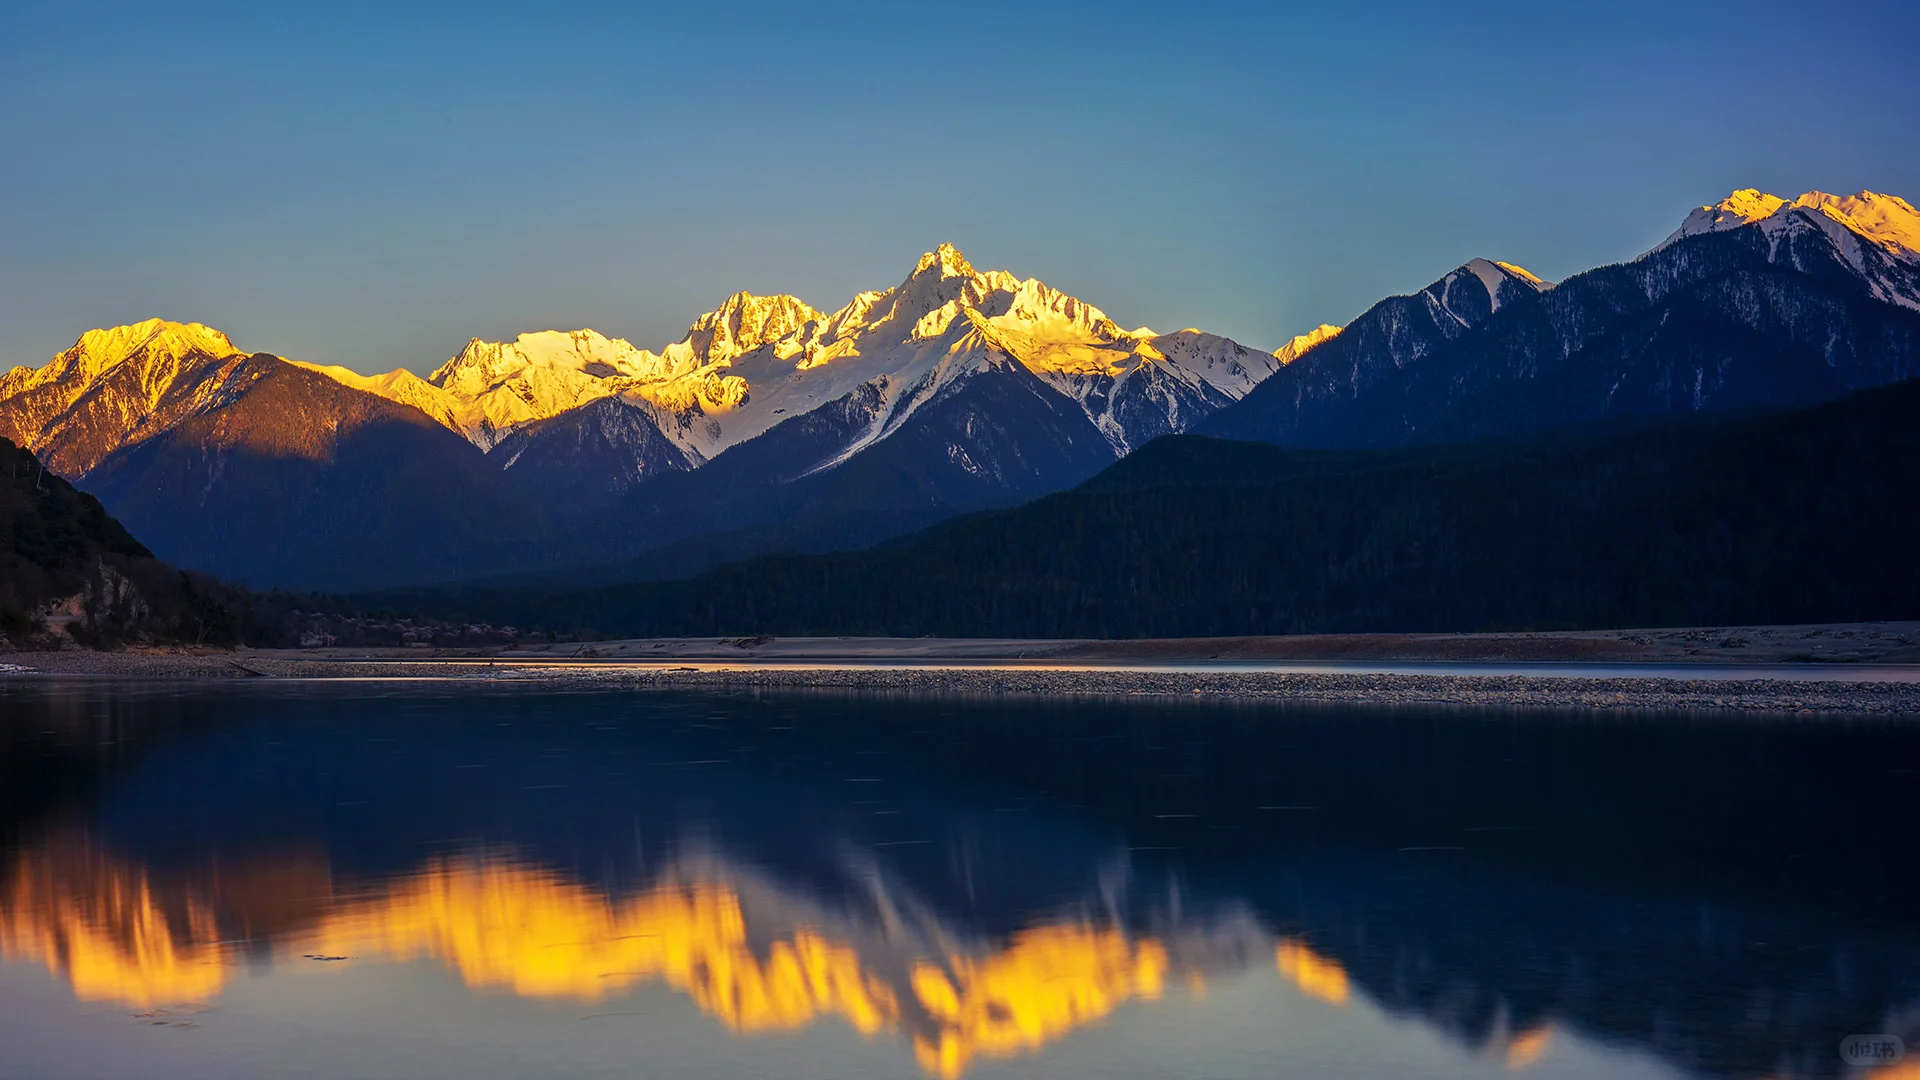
[{"x": 372, "y": 184}]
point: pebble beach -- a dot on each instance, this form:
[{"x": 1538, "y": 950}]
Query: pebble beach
[{"x": 1694, "y": 691}]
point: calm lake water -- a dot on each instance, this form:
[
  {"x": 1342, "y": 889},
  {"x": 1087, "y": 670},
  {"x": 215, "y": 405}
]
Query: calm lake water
[{"x": 434, "y": 880}]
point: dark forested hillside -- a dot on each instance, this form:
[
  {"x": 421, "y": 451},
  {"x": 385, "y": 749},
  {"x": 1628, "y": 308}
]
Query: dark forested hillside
[
  {"x": 69, "y": 570},
  {"x": 1802, "y": 516}
]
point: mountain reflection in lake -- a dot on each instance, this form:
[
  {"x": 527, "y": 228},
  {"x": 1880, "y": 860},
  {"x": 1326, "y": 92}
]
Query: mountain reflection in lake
[{"x": 359, "y": 880}]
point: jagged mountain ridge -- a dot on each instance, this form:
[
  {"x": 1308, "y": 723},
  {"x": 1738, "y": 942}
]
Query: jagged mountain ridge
[
  {"x": 1348, "y": 364},
  {"x": 1755, "y": 302},
  {"x": 993, "y": 435},
  {"x": 757, "y": 360},
  {"x": 956, "y": 390}
]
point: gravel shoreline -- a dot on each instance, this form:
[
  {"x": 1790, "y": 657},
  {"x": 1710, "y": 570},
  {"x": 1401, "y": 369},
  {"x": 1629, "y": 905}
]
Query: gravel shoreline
[
  {"x": 1507, "y": 691},
  {"x": 1523, "y": 691}
]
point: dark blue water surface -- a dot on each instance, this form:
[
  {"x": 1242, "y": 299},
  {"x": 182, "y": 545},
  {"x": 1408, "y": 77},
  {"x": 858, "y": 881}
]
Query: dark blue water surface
[{"x": 425, "y": 880}]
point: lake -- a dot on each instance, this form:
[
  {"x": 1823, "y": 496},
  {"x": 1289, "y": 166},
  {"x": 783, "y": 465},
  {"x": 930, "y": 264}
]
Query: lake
[{"x": 271, "y": 878}]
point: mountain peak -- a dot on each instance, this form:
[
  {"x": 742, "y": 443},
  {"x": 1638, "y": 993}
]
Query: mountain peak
[
  {"x": 1300, "y": 343},
  {"x": 1502, "y": 282},
  {"x": 480, "y": 364},
  {"x": 744, "y": 322},
  {"x": 1745, "y": 205},
  {"x": 159, "y": 338},
  {"x": 1495, "y": 275},
  {"x": 947, "y": 259},
  {"x": 1886, "y": 220}
]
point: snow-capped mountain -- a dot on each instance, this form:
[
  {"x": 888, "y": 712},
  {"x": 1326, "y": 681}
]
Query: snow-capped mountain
[
  {"x": 1754, "y": 302},
  {"x": 116, "y": 387},
  {"x": 1877, "y": 236},
  {"x": 1331, "y": 367},
  {"x": 591, "y": 455},
  {"x": 758, "y": 360},
  {"x": 772, "y": 425},
  {"x": 1300, "y": 343},
  {"x": 954, "y": 390}
]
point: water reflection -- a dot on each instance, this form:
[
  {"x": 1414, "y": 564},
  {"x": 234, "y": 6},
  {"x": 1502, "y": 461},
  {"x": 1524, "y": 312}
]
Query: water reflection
[
  {"x": 100, "y": 923},
  {"x": 979, "y": 883},
  {"x": 750, "y": 954}
]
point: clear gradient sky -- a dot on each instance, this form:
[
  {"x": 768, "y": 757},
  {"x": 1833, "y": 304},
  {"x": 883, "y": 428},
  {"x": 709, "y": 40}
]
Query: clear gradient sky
[{"x": 372, "y": 184}]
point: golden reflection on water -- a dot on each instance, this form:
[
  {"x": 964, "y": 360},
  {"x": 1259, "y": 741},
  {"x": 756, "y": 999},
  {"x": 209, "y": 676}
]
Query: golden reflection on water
[
  {"x": 1317, "y": 976},
  {"x": 1048, "y": 981},
  {"x": 1529, "y": 1046},
  {"x": 506, "y": 924},
  {"x": 102, "y": 925},
  {"x": 115, "y": 934}
]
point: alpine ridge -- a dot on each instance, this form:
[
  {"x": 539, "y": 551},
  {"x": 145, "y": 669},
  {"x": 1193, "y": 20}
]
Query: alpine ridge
[
  {"x": 955, "y": 390},
  {"x": 743, "y": 367},
  {"x": 1754, "y": 302},
  {"x": 773, "y": 425}
]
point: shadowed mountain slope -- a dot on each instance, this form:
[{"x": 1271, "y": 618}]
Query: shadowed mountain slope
[
  {"x": 302, "y": 482},
  {"x": 1799, "y": 517}
]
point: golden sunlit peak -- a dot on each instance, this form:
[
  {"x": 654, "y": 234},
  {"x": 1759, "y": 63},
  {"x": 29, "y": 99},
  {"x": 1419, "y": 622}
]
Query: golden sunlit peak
[
  {"x": 160, "y": 338},
  {"x": 745, "y": 321},
  {"x": 947, "y": 259},
  {"x": 1293, "y": 349},
  {"x": 1750, "y": 204},
  {"x": 1886, "y": 220}
]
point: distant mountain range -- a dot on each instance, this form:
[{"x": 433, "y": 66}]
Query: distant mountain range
[{"x": 775, "y": 426}]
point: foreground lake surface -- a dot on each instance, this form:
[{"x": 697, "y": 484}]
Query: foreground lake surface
[{"x": 274, "y": 879}]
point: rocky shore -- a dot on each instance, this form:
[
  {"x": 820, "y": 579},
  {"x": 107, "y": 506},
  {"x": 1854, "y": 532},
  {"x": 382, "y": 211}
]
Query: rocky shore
[
  {"x": 1551, "y": 691},
  {"x": 1525, "y": 691}
]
